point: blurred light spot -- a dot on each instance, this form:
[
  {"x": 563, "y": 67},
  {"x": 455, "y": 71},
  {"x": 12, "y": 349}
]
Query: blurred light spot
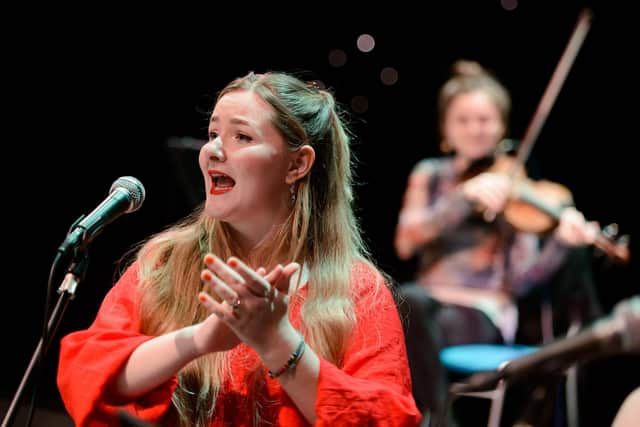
[
  {"x": 509, "y": 4},
  {"x": 366, "y": 43},
  {"x": 359, "y": 103},
  {"x": 337, "y": 58},
  {"x": 389, "y": 76}
]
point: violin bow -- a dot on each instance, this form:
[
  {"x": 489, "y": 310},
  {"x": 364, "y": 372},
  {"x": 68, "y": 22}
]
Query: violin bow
[
  {"x": 619, "y": 251},
  {"x": 552, "y": 90},
  {"x": 549, "y": 96}
]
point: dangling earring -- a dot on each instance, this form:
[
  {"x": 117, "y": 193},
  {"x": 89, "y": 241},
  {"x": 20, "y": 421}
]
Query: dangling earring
[
  {"x": 445, "y": 147},
  {"x": 292, "y": 192}
]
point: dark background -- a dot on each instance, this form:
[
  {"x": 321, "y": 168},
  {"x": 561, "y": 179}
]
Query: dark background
[{"x": 92, "y": 95}]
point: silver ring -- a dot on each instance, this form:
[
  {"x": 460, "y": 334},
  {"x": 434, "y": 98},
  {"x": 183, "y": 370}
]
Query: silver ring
[{"x": 236, "y": 304}]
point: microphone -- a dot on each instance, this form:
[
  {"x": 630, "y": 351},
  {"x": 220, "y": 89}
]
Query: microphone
[
  {"x": 126, "y": 195},
  {"x": 618, "y": 333}
]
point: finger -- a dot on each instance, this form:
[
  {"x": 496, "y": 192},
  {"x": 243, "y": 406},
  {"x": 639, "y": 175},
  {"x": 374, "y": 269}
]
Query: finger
[
  {"x": 273, "y": 278},
  {"x": 291, "y": 268},
  {"x": 284, "y": 280},
  {"x": 256, "y": 283},
  {"x": 572, "y": 215},
  {"x": 220, "y": 309},
  {"x": 593, "y": 229},
  {"x": 274, "y": 275},
  {"x": 495, "y": 202},
  {"x": 219, "y": 287},
  {"x": 224, "y": 271}
]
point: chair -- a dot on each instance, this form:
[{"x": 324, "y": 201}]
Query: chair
[
  {"x": 573, "y": 290},
  {"x": 467, "y": 359}
]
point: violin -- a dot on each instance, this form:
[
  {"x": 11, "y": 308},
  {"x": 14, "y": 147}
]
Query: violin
[{"x": 536, "y": 205}]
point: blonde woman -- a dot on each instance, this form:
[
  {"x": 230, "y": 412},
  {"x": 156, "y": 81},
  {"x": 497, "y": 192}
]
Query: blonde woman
[{"x": 263, "y": 308}]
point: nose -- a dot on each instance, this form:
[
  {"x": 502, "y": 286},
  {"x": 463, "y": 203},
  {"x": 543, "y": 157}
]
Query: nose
[{"x": 215, "y": 151}]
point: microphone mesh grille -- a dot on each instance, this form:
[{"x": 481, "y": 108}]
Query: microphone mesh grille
[{"x": 132, "y": 186}]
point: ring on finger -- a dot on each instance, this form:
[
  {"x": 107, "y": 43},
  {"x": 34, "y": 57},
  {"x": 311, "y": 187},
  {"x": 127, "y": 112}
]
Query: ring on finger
[{"x": 236, "y": 304}]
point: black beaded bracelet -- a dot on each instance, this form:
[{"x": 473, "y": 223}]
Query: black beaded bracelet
[{"x": 292, "y": 361}]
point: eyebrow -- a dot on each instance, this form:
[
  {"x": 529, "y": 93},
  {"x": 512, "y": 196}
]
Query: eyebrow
[{"x": 234, "y": 121}]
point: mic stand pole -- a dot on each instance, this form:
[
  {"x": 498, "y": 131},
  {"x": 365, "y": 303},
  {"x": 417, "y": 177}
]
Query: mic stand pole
[{"x": 67, "y": 289}]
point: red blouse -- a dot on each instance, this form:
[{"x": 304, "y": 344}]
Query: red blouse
[{"x": 372, "y": 387}]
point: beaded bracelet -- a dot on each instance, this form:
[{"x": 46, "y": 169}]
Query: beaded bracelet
[{"x": 292, "y": 361}]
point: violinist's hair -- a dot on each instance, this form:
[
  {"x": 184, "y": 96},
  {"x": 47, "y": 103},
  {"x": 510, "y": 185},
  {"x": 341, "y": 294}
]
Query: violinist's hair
[{"x": 470, "y": 76}]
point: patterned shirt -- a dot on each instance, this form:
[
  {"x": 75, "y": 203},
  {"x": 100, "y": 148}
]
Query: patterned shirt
[{"x": 462, "y": 249}]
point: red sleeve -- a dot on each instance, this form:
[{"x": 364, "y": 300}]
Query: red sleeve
[
  {"x": 90, "y": 359},
  {"x": 373, "y": 387}
]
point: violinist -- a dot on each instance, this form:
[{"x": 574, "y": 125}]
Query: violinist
[{"x": 471, "y": 269}]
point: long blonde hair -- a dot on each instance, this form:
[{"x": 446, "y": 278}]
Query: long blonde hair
[{"x": 322, "y": 233}]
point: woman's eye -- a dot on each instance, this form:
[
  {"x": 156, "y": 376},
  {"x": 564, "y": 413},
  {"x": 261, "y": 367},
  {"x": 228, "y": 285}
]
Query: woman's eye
[
  {"x": 212, "y": 135},
  {"x": 245, "y": 138}
]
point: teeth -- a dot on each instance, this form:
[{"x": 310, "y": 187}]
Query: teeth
[{"x": 222, "y": 180}]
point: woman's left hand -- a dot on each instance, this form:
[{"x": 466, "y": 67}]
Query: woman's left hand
[{"x": 574, "y": 230}]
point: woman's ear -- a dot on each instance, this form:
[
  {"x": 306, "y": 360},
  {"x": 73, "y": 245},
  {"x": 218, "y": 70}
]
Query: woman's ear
[{"x": 301, "y": 162}]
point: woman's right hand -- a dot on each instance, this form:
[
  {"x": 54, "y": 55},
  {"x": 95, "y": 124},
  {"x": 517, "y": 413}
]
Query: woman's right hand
[
  {"x": 489, "y": 189},
  {"x": 213, "y": 335},
  {"x": 252, "y": 304}
]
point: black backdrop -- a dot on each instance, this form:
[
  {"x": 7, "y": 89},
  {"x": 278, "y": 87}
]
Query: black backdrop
[{"x": 94, "y": 95}]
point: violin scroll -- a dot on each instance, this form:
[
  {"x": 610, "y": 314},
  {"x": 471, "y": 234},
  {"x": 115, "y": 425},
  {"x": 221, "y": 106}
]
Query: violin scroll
[{"x": 616, "y": 247}]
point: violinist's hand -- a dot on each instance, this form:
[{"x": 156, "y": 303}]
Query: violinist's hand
[
  {"x": 574, "y": 230},
  {"x": 489, "y": 189},
  {"x": 253, "y": 303}
]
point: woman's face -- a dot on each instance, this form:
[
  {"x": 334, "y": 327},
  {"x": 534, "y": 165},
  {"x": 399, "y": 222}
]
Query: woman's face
[
  {"x": 244, "y": 164},
  {"x": 473, "y": 125}
]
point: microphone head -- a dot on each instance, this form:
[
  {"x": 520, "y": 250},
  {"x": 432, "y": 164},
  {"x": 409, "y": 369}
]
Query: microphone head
[
  {"x": 133, "y": 187},
  {"x": 620, "y": 331},
  {"x": 628, "y": 313}
]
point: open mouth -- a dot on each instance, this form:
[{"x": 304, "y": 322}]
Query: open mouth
[{"x": 221, "y": 183}]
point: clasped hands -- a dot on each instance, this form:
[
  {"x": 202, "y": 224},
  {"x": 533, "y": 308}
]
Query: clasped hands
[{"x": 246, "y": 305}]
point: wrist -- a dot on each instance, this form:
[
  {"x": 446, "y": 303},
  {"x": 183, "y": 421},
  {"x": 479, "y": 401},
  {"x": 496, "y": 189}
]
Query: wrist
[
  {"x": 197, "y": 336},
  {"x": 279, "y": 347},
  {"x": 293, "y": 360}
]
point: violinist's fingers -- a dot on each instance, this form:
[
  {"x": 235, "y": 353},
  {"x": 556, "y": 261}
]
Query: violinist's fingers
[
  {"x": 489, "y": 189},
  {"x": 571, "y": 214},
  {"x": 502, "y": 184},
  {"x": 494, "y": 200},
  {"x": 592, "y": 231},
  {"x": 499, "y": 201},
  {"x": 574, "y": 230}
]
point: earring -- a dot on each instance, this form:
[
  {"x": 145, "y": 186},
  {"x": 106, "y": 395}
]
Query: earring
[
  {"x": 292, "y": 192},
  {"x": 445, "y": 147}
]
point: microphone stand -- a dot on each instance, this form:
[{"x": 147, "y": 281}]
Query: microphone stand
[{"x": 75, "y": 274}]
